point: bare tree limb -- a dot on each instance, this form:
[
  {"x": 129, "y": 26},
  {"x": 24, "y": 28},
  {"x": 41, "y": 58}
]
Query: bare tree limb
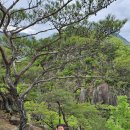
[
  {"x": 33, "y": 33},
  {"x": 54, "y": 78},
  {"x": 4, "y": 56},
  {"x": 62, "y": 112},
  {"x": 14, "y": 3},
  {"x": 41, "y": 47},
  {"x": 3, "y": 9},
  {"x": 18, "y": 76},
  {"x": 67, "y": 77},
  {"x": 43, "y": 17},
  {"x": 6, "y": 17},
  {"x": 24, "y": 9},
  {"x": 86, "y": 16}
]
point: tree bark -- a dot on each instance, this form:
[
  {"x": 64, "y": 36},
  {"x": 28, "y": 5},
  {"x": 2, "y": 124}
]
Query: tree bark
[
  {"x": 22, "y": 112},
  {"x": 63, "y": 114}
]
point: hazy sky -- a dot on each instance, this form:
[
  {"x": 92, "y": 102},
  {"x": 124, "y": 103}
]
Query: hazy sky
[{"x": 119, "y": 8}]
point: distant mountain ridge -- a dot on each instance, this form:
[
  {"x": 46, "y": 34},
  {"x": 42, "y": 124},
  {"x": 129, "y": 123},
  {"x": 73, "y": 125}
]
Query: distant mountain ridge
[
  {"x": 122, "y": 38},
  {"x": 116, "y": 34},
  {"x": 21, "y": 34}
]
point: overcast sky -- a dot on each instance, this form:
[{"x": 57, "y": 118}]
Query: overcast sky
[{"x": 119, "y": 8}]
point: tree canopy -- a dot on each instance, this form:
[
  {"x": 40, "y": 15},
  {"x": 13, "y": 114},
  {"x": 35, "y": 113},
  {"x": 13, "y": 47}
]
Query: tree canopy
[{"x": 52, "y": 80}]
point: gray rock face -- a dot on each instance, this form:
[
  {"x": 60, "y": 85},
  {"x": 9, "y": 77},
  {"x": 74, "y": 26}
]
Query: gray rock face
[
  {"x": 83, "y": 95},
  {"x": 103, "y": 94}
]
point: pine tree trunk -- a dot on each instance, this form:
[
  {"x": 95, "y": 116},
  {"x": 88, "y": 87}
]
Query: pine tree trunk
[
  {"x": 22, "y": 112},
  {"x": 20, "y": 107}
]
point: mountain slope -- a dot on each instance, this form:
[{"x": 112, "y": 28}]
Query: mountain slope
[{"x": 122, "y": 38}]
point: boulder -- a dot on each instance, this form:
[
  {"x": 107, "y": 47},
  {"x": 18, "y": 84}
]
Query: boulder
[{"x": 14, "y": 120}]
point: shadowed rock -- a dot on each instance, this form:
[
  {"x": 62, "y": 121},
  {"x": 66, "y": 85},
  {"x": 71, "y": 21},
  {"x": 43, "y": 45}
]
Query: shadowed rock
[{"x": 103, "y": 94}]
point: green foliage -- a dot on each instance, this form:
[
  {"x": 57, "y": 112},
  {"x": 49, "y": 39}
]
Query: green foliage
[
  {"x": 107, "y": 26},
  {"x": 41, "y": 109},
  {"x": 46, "y": 115},
  {"x": 67, "y": 71},
  {"x": 18, "y": 16},
  {"x": 120, "y": 115},
  {"x": 60, "y": 95},
  {"x": 121, "y": 51},
  {"x": 3, "y": 88},
  {"x": 85, "y": 48},
  {"x": 87, "y": 116},
  {"x": 70, "y": 69},
  {"x": 76, "y": 40}
]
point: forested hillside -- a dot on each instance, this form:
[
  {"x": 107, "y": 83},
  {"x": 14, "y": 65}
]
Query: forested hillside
[{"x": 79, "y": 76}]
